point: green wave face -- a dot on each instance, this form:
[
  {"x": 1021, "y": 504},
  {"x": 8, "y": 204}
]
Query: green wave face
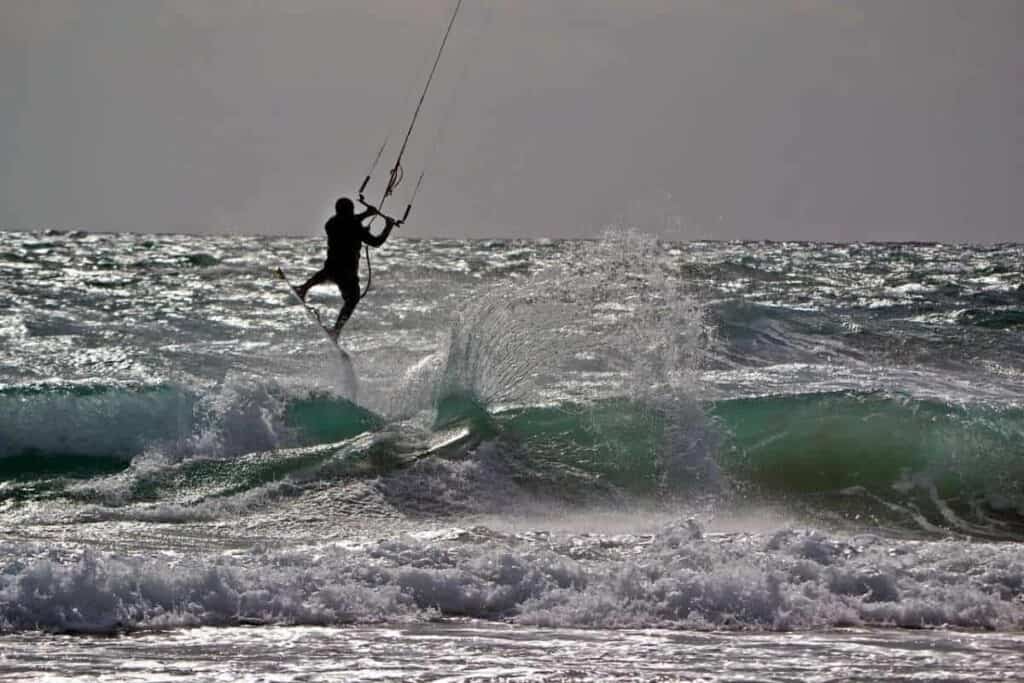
[
  {"x": 53, "y": 436},
  {"x": 323, "y": 420},
  {"x": 860, "y": 457},
  {"x": 866, "y": 457},
  {"x": 617, "y": 442},
  {"x": 870, "y": 454}
]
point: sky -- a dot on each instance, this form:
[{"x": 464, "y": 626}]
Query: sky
[{"x": 690, "y": 119}]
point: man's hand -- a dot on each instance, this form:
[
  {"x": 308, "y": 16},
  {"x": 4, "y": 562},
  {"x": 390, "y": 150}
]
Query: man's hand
[{"x": 371, "y": 210}]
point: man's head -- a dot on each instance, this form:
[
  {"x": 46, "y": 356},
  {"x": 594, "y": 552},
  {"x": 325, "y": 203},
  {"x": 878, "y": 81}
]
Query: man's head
[{"x": 344, "y": 207}]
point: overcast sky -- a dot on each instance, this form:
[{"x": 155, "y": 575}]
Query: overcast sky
[{"x": 765, "y": 119}]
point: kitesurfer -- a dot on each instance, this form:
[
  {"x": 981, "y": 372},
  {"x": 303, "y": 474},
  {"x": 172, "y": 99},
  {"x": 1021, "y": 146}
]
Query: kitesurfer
[{"x": 346, "y": 235}]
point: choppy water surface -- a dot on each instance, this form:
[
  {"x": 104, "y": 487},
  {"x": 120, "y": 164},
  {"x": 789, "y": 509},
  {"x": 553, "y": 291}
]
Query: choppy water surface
[
  {"x": 475, "y": 651},
  {"x": 708, "y": 456}
]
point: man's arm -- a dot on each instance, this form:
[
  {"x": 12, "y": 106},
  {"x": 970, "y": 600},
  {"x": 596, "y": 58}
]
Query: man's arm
[
  {"x": 376, "y": 241},
  {"x": 369, "y": 212}
]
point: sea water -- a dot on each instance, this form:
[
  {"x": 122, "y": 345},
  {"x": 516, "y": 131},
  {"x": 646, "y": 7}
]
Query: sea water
[{"x": 586, "y": 460}]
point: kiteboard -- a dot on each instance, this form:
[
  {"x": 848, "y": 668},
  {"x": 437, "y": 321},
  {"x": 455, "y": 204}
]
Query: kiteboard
[{"x": 348, "y": 372}]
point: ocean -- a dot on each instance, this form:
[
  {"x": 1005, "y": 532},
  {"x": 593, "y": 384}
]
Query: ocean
[{"x": 608, "y": 459}]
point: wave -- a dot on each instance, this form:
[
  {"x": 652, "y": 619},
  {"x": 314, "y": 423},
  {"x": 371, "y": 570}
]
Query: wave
[
  {"x": 107, "y": 421},
  {"x": 882, "y": 459},
  {"x": 865, "y": 459},
  {"x": 61, "y": 429}
]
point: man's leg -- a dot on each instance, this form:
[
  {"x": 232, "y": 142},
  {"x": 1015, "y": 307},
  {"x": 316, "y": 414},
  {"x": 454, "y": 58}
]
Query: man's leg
[
  {"x": 318, "y": 277},
  {"x": 350, "y": 293}
]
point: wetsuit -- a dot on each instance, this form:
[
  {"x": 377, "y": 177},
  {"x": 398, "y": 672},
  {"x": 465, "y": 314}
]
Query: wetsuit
[{"x": 345, "y": 237}]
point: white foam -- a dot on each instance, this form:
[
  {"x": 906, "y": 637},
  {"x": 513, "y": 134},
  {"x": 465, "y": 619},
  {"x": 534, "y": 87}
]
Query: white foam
[{"x": 677, "y": 577}]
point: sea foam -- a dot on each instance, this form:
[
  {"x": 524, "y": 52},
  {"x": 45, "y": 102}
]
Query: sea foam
[{"x": 676, "y": 577}]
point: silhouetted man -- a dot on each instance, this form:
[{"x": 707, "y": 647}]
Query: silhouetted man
[{"x": 346, "y": 235}]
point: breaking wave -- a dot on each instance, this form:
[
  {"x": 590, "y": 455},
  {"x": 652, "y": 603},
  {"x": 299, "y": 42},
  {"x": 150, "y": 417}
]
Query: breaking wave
[{"x": 888, "y": 461}]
